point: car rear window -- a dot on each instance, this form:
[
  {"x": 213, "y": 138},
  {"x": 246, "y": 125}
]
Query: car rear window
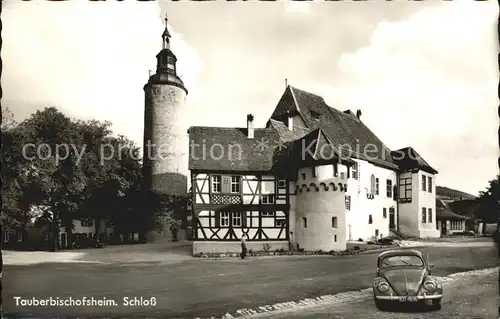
[{"x": 398, "y": 261}]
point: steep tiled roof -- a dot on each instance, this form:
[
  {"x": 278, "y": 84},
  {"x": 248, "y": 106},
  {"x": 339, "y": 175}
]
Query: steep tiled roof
[
  {"x": 274, "y": 148},
  {"x": 284, "y": 133},
  {"x": 239, "y": 153},
  {"x": 344, "y": 133},
  {"x": 407, "y": 158},
  {"x": 345, "y": 130},
  {"x": 444, "y": 212}
]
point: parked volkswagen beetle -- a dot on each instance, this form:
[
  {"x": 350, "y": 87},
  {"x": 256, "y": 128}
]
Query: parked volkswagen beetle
[{"x": 404, "y": 276}]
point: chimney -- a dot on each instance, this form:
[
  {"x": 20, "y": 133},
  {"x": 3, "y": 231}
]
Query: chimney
[
  {"x": 358, "y": 114},
  {"x": 250, "y": 129}
]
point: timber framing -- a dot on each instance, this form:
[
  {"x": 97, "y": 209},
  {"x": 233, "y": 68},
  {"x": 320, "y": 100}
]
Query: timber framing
[{"x": 226, "y": 205}]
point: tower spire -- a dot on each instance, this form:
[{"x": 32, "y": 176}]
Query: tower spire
[
  {"x": 166, "y": 72},
  {"x": 166, "y": 35}
]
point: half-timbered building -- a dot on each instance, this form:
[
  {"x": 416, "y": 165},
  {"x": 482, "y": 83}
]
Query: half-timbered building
[{"x": 305, "y": 180}]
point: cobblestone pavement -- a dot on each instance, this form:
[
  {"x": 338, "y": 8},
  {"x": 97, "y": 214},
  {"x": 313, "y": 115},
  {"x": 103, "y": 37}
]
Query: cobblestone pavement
[{"x": 470, "y": 296}]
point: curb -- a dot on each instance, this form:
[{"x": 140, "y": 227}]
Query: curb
[{"x": 336, "y": 298}]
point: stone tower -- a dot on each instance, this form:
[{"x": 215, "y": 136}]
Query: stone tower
[{"x": 166, "y": 143}]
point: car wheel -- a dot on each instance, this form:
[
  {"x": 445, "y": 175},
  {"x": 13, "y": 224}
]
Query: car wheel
[
  {"x": 436, "y": 304},
  {"x": 381, "y": 304}
]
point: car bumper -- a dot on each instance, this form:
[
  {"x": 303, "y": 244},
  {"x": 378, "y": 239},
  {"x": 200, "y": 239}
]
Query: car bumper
[{"x": 419, "y": 298}]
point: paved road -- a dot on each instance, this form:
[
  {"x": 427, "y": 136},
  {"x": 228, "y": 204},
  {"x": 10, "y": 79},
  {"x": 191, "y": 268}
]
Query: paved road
[
  {"x": 469, "y": 297},
  {"x": 210, "y": 287}
]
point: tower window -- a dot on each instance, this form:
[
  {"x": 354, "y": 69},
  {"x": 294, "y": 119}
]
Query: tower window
[{"x": 334, "y": 222}]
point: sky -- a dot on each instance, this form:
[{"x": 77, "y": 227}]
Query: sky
[{"x": 423, "y": 73}]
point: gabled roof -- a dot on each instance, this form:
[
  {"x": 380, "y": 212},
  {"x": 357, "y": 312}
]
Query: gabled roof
[
  {"x": 407, "y": 158},
  {"x": 444, "y": 212},
  {"x": 239, "y": 153},
  {"x": 329, "y": 133},
  {"x": 347, "y": 132},
  {"x": 274, "y": 148}
]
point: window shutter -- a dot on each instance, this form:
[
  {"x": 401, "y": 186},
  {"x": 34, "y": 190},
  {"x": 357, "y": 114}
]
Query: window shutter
[
  {"x": 244, "y": 219},
  {"x": 226, "y": 184},
  {"x": 217, "y": 219},
  {"x": 395, "y": 192}
]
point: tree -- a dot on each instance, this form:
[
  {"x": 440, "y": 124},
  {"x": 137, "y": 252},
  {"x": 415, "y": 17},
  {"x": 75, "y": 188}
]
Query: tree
[
  {"x": 55, "y": 176},
  {"x": 489, "y": 210},
  {"x": 8, "y": 121},
  {"x": 115, "y": 195},
  {"x": 77, "y": 169},
  {"x": 14, "y": 209}
]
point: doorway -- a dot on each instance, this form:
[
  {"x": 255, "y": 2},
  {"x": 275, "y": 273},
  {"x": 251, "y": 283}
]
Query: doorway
[
  {"x": 443, "y": 227},
  {"x": 392, "y": 219}
]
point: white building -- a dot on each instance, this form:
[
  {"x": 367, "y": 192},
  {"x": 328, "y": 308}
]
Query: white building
[{"x": 314, "y": 177}]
